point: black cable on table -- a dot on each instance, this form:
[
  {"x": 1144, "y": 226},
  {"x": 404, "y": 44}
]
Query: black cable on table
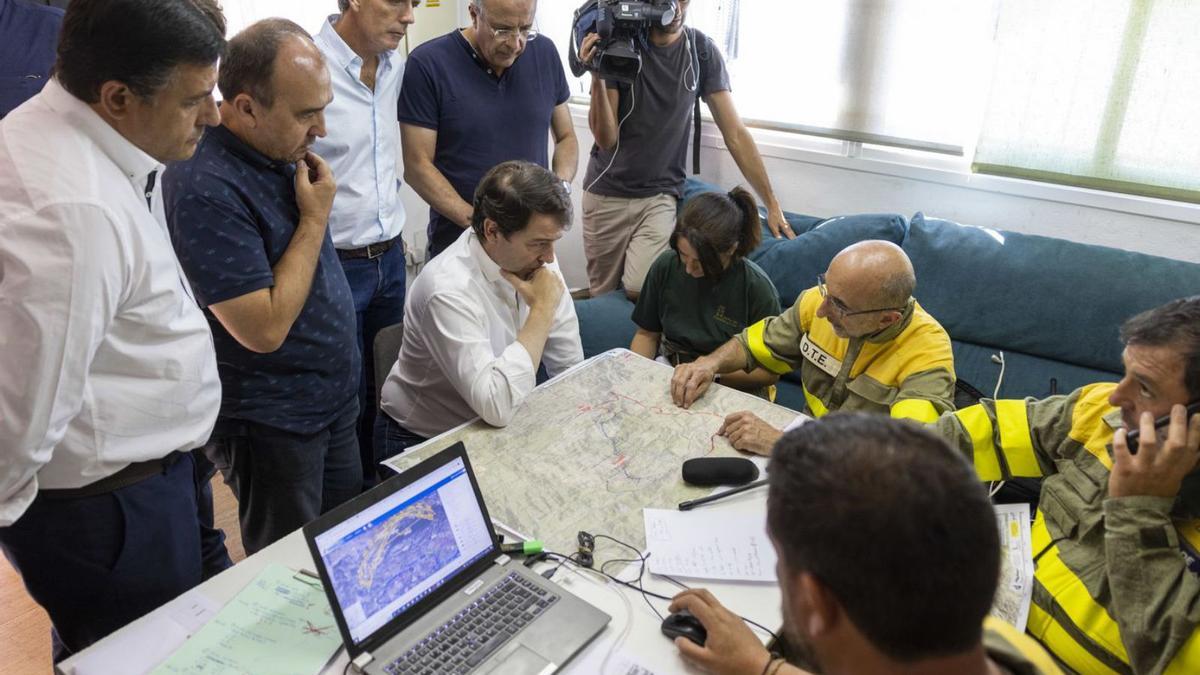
[{"x": 639, "y": 587}]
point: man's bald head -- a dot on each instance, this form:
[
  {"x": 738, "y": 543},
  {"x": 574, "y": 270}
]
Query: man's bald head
[
  {"x": 251, "y": 63},
  {"x": 880, "y": 269},
  {"x": 276, "y": 87}
]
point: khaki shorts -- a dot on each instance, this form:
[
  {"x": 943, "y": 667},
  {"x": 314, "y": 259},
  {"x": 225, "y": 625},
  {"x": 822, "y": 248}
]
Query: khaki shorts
[{"x": 623, "y": 236}]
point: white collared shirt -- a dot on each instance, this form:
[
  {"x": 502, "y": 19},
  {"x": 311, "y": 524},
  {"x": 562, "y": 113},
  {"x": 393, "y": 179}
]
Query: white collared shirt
[
  {"x": 105, "y": 358},
  {"x": 362, "y": 139},
  {"x": 460, "y": 357}
]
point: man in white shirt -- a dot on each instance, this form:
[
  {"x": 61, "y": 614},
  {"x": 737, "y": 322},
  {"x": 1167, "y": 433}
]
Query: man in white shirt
[
  {"x": 109, "y": 376},
  {"x": 484, "y": 314},
  {"x": 361, "y": 148}
]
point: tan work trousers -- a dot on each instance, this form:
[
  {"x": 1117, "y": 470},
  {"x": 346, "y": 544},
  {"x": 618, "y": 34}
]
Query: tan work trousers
[{"x": 622, "y": 237}]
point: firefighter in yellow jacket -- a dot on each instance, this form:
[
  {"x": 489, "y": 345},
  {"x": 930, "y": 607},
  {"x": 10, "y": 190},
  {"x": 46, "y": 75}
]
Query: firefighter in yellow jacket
[
  {"x": 858, "y": 338},
  {"x": 1117, "y": 535}
]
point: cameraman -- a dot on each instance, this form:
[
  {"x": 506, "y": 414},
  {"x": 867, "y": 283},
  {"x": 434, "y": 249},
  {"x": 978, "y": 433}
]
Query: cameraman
[{"x": 637, "y": 169}]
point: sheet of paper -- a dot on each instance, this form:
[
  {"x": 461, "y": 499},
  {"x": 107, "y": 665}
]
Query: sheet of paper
[
  {"x": 604, "y": 662},
  {"x": 1016, "y": 565},
  {"x": 278, "y": 624},
  {"x": 148, "y": 642},
  {"x": 709, "y": 544}
]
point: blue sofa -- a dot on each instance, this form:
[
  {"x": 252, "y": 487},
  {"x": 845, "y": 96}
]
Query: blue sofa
[{"x": 1053, "y": 307}]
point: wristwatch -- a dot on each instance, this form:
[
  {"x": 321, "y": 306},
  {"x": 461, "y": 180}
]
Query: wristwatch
[{"x": 567, "y": 186}]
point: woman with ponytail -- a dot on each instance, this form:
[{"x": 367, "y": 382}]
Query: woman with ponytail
[{"x": 704, "y": 291}]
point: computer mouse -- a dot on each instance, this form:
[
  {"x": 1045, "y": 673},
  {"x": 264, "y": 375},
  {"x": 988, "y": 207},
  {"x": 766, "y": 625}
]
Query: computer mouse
[{"x": 683, "y": 624}]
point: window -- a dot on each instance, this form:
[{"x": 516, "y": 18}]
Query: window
[
  {"x": 897, "y": 72},
  {"x": 1097, "y": 93}
]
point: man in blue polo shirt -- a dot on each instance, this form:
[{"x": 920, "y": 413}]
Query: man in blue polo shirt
[
  {"x": 28, "y": 36},
  {"x": 248, "y": 218},
  {"x": 477, "y": 97}
]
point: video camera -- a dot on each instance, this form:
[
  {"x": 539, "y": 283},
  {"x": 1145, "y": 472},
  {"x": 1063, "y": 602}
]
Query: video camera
[{"x": 623, "y": 28}]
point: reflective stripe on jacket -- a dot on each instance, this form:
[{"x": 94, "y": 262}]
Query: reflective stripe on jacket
[
  {"x": 1116, "y": 588},
  {"x": 906, "y": 370},
  {"x": 1016, "y": 652}
]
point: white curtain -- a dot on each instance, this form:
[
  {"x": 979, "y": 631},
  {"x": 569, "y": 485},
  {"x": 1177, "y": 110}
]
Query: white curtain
[
  {"x": 1097, "y": 93},
  {"x": 895, "y": 72}
]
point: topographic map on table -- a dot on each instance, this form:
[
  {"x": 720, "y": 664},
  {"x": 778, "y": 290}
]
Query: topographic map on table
[{"x": 592, "y": 447}]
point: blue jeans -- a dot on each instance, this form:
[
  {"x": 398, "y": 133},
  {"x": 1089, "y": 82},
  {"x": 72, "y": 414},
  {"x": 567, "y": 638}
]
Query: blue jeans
[
  {"x": 96, "y": 563},
  {"x": 283, "y": 479},
  {"x": 377, "y": 285},
  {"x": 392, "y": 439}
]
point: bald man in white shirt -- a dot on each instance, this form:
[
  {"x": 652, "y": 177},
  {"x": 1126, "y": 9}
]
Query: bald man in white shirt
[
  {"x": 484, "y": 314},
  {"x": 108, "y": 373}
]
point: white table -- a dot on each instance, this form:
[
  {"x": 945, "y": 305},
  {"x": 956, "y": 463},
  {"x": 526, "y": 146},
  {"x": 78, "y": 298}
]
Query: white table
[{"x": 633, "y": 631}]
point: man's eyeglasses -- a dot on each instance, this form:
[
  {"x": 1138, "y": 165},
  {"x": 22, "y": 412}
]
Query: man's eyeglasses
[
  {"x": 841, "y": 307},
  {"x": 506, "y": 34}
]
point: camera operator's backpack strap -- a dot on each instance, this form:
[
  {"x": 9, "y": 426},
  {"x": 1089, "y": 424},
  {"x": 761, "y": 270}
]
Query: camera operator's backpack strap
[{"x": 702, "y": 56}]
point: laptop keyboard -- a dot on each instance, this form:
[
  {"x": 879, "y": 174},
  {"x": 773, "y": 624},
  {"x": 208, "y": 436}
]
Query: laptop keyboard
[{"x": 478, "y": 630}]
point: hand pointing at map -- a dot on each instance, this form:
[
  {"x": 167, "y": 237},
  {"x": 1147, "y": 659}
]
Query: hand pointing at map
[
  {"x": 747, "y": 431},
  {"x": 690, "y": 381}
]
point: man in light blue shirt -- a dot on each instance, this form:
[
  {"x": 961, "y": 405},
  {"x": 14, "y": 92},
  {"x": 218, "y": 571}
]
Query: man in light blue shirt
[{"x": 361, "y": 147}]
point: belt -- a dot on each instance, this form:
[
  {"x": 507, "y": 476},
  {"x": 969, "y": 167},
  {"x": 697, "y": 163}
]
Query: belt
[
  {"x": 370, "y": 251},
  {"x": 130, "y": 475}
]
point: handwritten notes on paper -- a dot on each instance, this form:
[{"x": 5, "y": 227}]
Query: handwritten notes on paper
[
  {"x": 709, "y": 545},
  {"x": 278, "y": 624}
]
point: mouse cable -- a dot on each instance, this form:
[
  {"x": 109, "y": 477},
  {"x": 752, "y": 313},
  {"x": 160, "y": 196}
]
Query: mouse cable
[
  {"x": 646, "y": 594},
  {"x": 667, "y": 577},
  {"x": 576, "y": 568},
  {"x": 673, "y": 580},
  {"x": 641, "y": 587},
  {"x": 638, "y": 587},
  {"x": 641, "y": 569}
]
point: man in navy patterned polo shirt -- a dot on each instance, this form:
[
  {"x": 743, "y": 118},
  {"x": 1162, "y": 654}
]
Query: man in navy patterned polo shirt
[{"x": 248, "y": 219}]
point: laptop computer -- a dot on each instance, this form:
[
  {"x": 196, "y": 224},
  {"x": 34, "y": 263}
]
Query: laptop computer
[{"x": 417, "y": 582}]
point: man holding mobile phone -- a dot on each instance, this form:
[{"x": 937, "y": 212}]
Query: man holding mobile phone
[{"x": 1116, "y": 541}]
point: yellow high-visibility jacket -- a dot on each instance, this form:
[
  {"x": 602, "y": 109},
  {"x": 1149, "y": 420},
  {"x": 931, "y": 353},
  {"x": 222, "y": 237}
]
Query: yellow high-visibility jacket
[
  {"x": 1116, "y": 583},
  {"x": 906, "y": 370},
  {"x": 1016, "y": 652}
]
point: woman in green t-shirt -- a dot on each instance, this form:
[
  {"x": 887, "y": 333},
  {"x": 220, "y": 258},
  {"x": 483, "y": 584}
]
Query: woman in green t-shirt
[{"x": 704, "y": 291}]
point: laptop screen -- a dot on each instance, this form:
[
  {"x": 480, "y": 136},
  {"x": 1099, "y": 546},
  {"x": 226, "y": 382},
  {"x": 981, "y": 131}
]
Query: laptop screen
[{"x": 384, "y": 559}]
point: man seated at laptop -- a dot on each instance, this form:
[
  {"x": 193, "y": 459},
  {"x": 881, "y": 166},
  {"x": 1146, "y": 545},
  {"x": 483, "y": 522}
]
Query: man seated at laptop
[
  {"x": 484, "y": 314},
  {"x": 879, "y": 573}
]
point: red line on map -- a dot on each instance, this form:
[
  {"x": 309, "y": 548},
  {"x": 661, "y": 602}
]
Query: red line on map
[{"x": 616, "y": 397}]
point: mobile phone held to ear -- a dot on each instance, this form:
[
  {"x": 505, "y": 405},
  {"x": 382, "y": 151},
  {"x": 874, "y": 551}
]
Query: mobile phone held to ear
[{"x": 1131, "y": 437}]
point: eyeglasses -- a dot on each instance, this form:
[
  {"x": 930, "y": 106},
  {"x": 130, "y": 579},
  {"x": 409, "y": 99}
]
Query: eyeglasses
[
  {"x": 841, "y": 307},
  {"x": 506, "y": 34}
]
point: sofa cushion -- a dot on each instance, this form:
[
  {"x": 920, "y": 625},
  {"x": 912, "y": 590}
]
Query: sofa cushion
[
  {"x": 1024, "y": 374},
  {"x": 605, "y": 323},
  {"x": 793, "y": 264},
  {"x": 1039, "y": 296}
]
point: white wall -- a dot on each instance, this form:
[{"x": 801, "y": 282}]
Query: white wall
[{"x": 816, "y": 180}]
